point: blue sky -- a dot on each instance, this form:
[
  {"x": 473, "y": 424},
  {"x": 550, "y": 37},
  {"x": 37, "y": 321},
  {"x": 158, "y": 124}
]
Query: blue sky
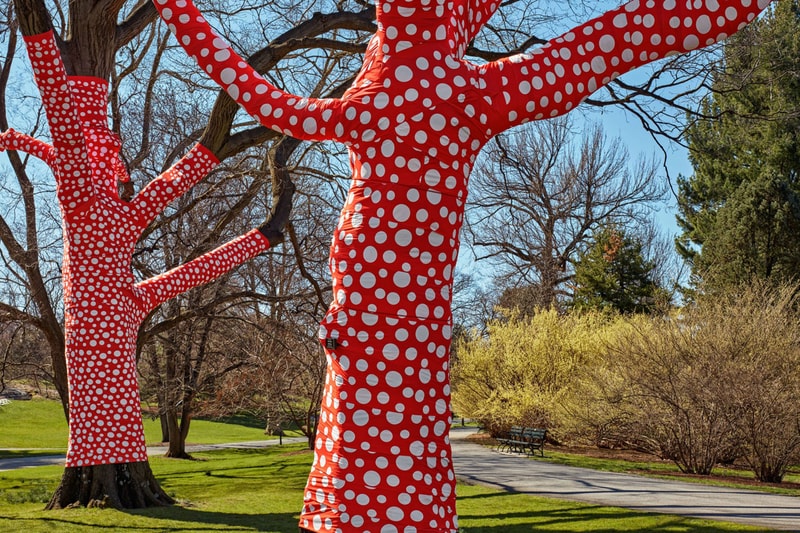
[{"x": 618, "y": 123}]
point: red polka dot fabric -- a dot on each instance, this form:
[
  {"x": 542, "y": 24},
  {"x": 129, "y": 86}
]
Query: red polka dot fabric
[
  {"x": 14, "y": 140},
  {"x": 414, "y": 120},
  {"x": 104, "y": 306}
]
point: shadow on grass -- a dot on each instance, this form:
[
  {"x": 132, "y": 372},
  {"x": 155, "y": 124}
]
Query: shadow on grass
[
  {"x": 164, "y": 520},
  {"x": 277, "y": 474},
  {"x": 33, "y": 452},
  {"x": 277, "y": 522},
  {"x": 244, "y": 420},
  {"x": 579, "y": 520},
  {"x": 569, "y": 517}
]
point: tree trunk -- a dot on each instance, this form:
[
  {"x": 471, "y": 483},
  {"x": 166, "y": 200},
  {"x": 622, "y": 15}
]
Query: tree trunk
[
  {"x": 185, "y": 386},
  {"x": 59, "y": 362},
  {"x": 177, "y": 438},
  {"x": 164, "y": 426},
  {"x": 104, "y": 306},
  {"x": 106, "y": 463},
  {"x": 119, "y": 486},
  {"x": 171, "y": 393}
]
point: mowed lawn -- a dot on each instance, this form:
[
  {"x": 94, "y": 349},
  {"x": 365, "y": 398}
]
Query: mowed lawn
[
  {"x": 40, "y": 427},
  {"x": 262, "y": 490}
]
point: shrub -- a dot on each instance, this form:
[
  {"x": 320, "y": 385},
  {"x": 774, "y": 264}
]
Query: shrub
[
  {"x": 672, "y": 377},
  {"x": 719, "y": 381},
  {"x": 596, "y": 410},
  {"x": 522, "y": 370},
  {"x": 757, "y": 332}
]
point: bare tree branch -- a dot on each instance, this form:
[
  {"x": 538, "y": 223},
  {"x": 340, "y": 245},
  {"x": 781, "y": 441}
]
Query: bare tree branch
[{"x": 142, "y": 15}]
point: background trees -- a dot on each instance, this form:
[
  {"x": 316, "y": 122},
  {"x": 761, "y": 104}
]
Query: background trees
[
  {"x": 739, "y": 210},
  {"x": 538, "y": 195},
  {"x": 714, "y": 383},
  {"x": 613, "y": 274}
]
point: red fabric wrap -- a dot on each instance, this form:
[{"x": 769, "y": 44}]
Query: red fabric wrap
[
  {"x": 103, "y": 306},
  {"x": 415, "y": 119}
]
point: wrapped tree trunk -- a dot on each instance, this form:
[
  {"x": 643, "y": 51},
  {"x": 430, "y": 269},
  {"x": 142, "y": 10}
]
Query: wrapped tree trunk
[
  {"x": 106, "y": 461},
  {"x": 414, "y": 121}
]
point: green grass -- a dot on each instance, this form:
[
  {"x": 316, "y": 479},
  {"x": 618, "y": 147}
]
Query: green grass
[
  {"x": 261, "y": 490},
  {"x": 208, "y": 431},
  {"x": 33, "y": 424},
  {"x": 607, "y": 465},
  {"x": 483, "y": 510},
  {"x": 38, "y": 427},
  {"x": 668, "y": 470}
]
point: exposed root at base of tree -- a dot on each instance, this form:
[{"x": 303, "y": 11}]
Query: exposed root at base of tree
[
  {"x": 119, "y": 486},
  {"x": 178, "y": 455}
]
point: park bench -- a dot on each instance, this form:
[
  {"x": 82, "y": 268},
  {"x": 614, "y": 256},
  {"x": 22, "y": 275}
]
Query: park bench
[
  {"x": 523, "y": 440},
  {"x": 509, "y": 440}
]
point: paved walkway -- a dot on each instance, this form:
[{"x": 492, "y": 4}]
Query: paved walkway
[
  {"x": 481, "y": 465},
  {"x": 14, "y": 463}
]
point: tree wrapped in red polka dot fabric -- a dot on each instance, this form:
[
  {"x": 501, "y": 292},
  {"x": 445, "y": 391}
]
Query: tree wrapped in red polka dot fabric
[
  {"x": 104, "y": 306},
  {"x": 414, "y": 121}
]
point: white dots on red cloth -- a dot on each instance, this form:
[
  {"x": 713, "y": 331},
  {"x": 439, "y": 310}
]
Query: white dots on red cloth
[
  {"x": 103, "y": 306},
  {"x": 415, "y": 120}
]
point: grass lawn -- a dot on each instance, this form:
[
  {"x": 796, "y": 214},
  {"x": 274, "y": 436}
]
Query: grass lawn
[
  {"x": 722, "y": 477},
  {"x": 261, "y": 490},
  {"x": 38, "y": 427},
  {"x": 33, "y": 424}
]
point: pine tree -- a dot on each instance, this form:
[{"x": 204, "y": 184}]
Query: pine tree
[
  {"x": 740, "y": 210},
  {"x": 613, "y": 274}
]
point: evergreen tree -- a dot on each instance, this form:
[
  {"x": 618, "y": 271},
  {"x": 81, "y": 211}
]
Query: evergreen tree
[
  {"x": 740, "y": 210},
  {"x": 613, "y": 274}
]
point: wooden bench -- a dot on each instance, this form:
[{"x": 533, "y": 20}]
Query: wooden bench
[
  {"x": 534, "y": 439},
  {"x": 509, "y": 441},
  {"x": 523, "y": 440}
]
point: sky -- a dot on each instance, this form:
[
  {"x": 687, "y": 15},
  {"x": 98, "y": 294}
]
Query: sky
[{"x": 618, "y": 123}]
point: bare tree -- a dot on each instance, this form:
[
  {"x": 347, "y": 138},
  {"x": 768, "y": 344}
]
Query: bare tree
[
  {"x": 537, "y": 196},
  {"x": 23, "y": 357}
]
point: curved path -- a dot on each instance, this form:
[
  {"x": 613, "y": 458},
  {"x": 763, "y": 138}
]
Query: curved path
[
  {"x": 478, "y": 464},
  {"x": 14, "y": 463}
]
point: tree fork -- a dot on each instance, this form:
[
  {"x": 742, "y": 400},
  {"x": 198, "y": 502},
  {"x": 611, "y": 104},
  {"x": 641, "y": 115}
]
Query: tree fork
[{"x": 118, "y": 486}]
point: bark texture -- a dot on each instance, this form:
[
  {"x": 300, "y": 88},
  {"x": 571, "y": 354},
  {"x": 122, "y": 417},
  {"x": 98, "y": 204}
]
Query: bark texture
[{"x": 119, "y": 486}]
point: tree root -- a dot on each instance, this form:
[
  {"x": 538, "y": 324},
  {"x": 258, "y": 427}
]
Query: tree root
[
  {"x": 178, "y": 455},
  {"x": 119, "y": 486}
]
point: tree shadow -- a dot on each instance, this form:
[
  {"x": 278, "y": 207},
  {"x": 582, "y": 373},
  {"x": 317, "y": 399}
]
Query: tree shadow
[
  {"x": 594, "y": 519},
  {"x": 270, "y": 522},
  {"x": 194, "y": 519},
  {"x": 244, "y": 420},
  {"x": 585, "y": 520},
  {"x": 571, "y": 517}
]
